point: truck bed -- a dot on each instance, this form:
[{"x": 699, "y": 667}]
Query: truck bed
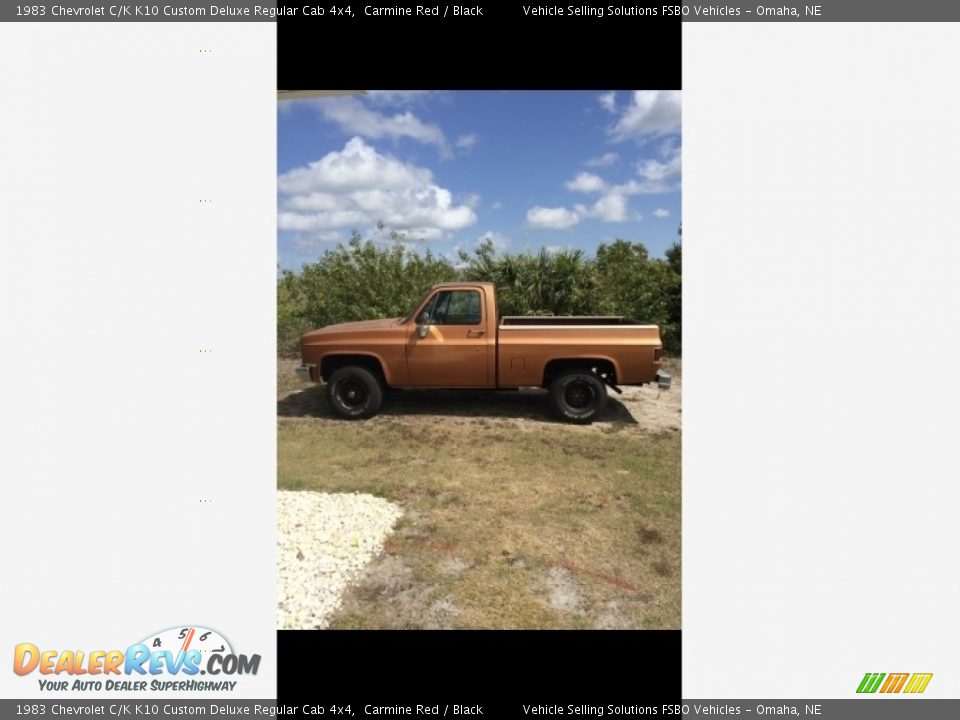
[
  {"x": 525, "y": 345},
  {"x": 554, "y": 320}
]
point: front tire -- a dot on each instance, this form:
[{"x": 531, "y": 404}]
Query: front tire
[
  {"x": 354, "y": 393},
  {"x": 578, "y": 396}
]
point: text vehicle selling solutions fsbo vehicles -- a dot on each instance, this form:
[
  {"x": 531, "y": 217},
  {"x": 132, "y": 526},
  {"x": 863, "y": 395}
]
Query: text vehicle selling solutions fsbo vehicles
[{"x": 452, "y": 339}]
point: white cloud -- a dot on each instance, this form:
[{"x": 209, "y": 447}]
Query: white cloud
[
  {"x": 465, "y": 142},
  {"x": 496, "y": 205},
  {"x": 661, "y": 213},
  {"x": 655, "y": 176},
  {"x": 655, "y": 170},
  {"x": 313, "y": 241},
  {"x": 355, "y": 118},
  {"x": 395, "y": 97},
  {"x": 586, "y": 183},
  {"x": 357, "y": 167},
  {"x": 359, "y": 186},
  {"x": 552, "y": 218},
  {"x": 608, "y": 101},
  {"x": 605, "y": 160},
  {"x": 611, "y": 207},
  {"x": 668, "y": 147},
  {"x": 649, "y": 114}
]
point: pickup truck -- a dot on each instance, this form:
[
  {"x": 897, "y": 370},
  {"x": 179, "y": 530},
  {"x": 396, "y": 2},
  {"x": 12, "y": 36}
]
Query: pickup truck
[{"x": 453, "y": 338}]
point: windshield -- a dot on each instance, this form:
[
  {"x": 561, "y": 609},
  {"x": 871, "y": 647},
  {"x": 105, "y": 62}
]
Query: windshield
[{"x": 409, "y": 316}]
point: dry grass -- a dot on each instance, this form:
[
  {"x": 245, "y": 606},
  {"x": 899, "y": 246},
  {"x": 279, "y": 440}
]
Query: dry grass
[{"x": 512, "y": 520}]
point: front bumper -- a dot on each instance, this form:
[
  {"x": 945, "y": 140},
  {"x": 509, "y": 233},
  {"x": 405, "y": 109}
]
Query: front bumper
[
  {"x": 663, "y": 380},
  {"x": 305, "y": 372}
]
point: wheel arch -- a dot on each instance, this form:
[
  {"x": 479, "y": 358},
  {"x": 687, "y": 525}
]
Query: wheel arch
[
  {"x": 556, "y": 366},
  {"x": 332, "y": 362}
]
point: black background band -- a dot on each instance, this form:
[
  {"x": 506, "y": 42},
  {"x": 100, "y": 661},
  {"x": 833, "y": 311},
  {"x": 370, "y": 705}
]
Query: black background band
[
  {"x": 503, "y": 49},
  {"x": 501, "y": 671}
]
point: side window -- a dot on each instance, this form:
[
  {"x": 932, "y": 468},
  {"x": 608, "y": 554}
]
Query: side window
[
  {"x": 429, "y": 310},
  {"x": 456, "y": 307}
]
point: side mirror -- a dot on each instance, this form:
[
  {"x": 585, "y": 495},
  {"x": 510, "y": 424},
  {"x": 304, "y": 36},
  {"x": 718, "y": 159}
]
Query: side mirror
[{"x": 423, "y": 324}]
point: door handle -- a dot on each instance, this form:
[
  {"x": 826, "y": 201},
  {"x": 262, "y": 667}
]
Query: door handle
[{"x": 475, "y": 333}]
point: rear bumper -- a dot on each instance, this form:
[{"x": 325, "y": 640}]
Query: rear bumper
[
  {"x": 663, "y": 380},
  {"x": 305, "y": 372}
]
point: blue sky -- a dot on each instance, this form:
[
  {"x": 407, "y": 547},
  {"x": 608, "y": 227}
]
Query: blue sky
[{"x": 527, "y": 169}]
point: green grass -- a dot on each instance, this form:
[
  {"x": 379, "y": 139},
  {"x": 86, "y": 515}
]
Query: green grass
[{"x": 491, "y": 505}]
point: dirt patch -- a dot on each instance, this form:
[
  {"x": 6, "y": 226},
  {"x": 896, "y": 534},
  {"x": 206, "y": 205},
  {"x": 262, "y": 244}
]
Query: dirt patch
[
  {"x": 617, "y": 613},
  {"x": 663, "y": 569},
  {"x": 650, "y": 536},
  {"x": 453, "y": 566},
  {"x": 389, "y": 584},
  {"x": 561, "y": 590},
  {"x": 653, "y": 409}
]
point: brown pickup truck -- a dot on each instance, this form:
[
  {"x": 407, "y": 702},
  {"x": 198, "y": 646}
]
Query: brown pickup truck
[{"x": 452, "y": 339}]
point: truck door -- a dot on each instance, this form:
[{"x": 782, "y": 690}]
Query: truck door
[{"x": 453, "y": 351}]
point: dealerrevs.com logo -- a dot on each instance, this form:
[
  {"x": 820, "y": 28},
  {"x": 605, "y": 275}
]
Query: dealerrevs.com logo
[
  {"x": 170, "y": 660},
  {"x": 910, "y": 683}
]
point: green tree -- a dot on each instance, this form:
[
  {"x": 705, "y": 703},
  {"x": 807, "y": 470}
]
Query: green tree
[
  {"x": 361, "y": 280},
  {"x": 356, "y": 281},
  {"x": 544, "y": 283},
  {"x": 674, "y": 302},
  {"x": 646, "y": 289}
]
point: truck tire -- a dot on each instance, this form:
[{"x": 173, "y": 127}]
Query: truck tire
[
  {"x": 354, "y": 393},
  {"x": 578, "y": 396}
]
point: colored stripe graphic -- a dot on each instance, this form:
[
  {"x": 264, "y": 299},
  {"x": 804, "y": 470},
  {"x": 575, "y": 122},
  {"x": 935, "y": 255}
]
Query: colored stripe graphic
[
  {"x": 918, "y": 683},
  {"x": 870, "y": 682},
  {"x": 894, "y": 682}
]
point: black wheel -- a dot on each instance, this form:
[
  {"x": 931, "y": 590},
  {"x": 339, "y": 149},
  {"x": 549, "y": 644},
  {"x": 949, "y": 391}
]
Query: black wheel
[
  {"x": 578, "y": 396},
  {"x": 354, "y": 393}
]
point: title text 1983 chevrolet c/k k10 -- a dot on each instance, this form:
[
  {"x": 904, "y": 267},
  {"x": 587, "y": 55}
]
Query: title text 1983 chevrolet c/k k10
[{"x": 452, "y": 339}]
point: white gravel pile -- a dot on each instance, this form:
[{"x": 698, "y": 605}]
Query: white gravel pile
[{"x": 323, "y": 542}]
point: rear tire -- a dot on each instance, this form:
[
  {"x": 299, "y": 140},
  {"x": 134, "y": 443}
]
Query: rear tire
[
  {"x": 354, "y": 393},
  {"x": 578, "y": 396}
]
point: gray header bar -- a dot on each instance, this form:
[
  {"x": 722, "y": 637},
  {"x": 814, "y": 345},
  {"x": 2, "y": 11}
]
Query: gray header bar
[
  {"x": 868, "y": 708},
  {"x": 171, "y": 11},
  {"x": 340, "y": 13},
  {"x": 871, "y": 707},
  {"x": 823, "y": 11}
]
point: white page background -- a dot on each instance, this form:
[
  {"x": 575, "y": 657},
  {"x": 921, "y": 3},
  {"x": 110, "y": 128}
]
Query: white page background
[
  {"x": 821, "y": 356},
  {"x": 139, "y": 472}
]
